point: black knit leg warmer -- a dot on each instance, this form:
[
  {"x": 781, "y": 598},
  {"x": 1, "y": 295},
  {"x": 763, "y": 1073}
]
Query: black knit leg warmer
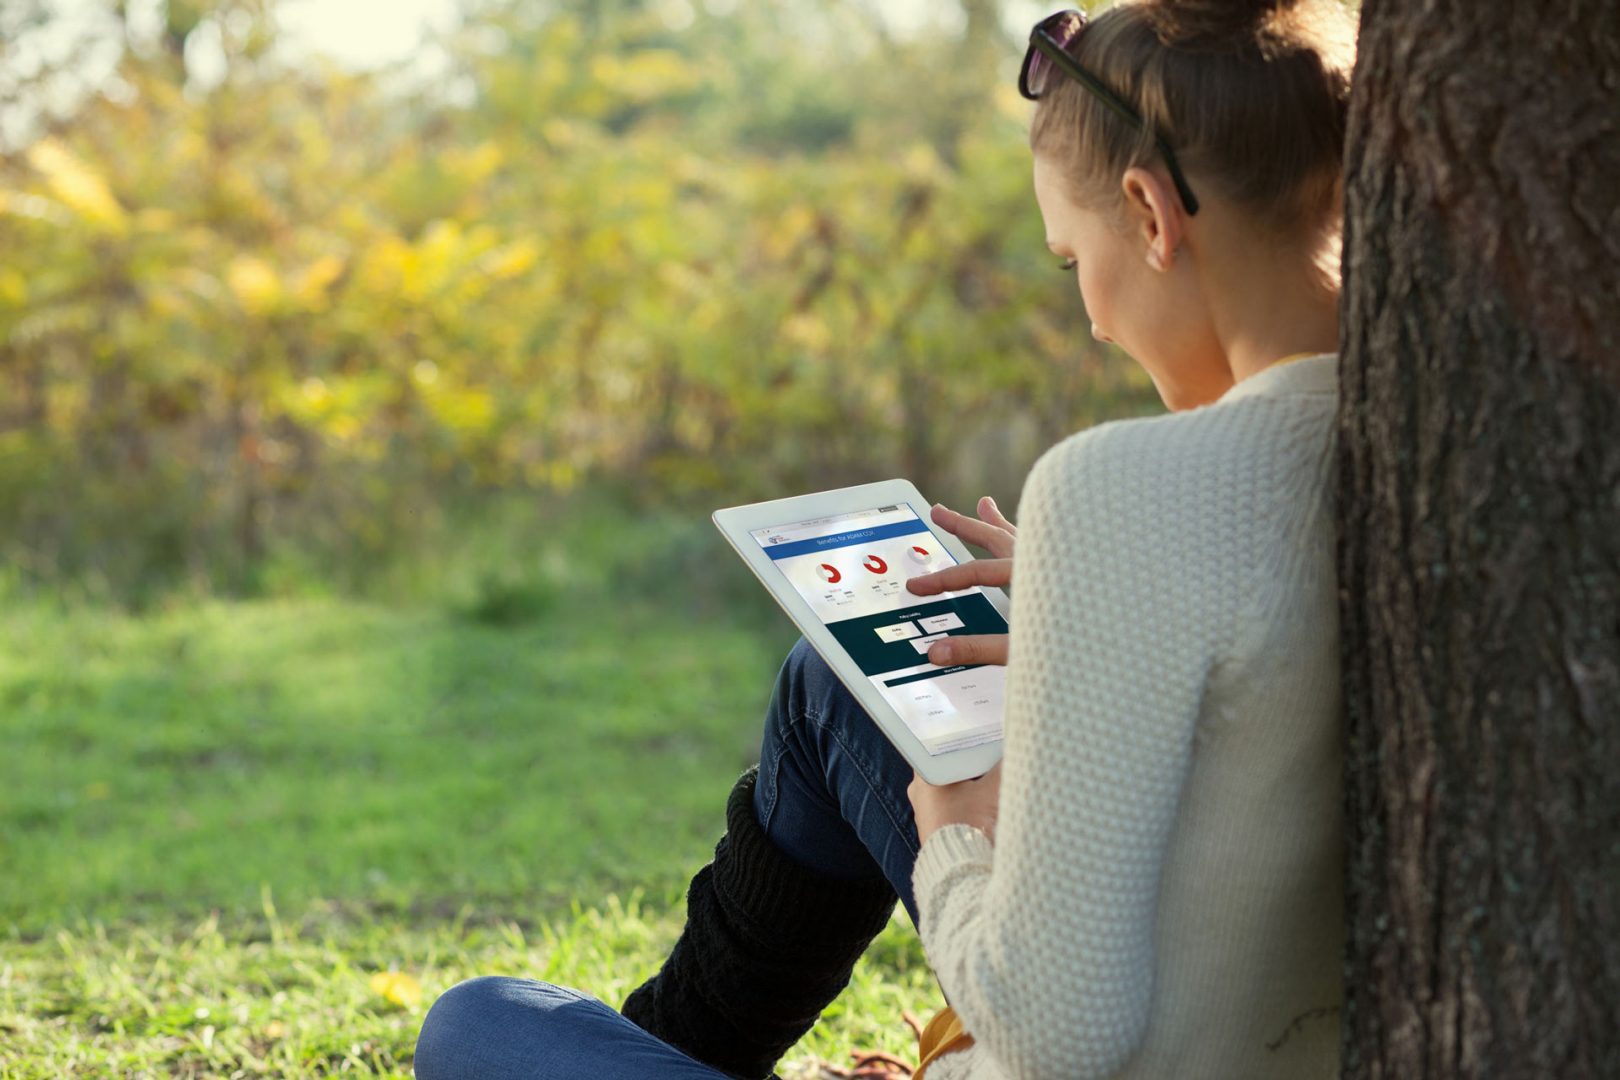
[{"x": 768, "y": 944}]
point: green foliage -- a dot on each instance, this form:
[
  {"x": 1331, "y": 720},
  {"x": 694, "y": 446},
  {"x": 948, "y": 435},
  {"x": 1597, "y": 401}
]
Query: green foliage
[{"x": 310, "y": 309}]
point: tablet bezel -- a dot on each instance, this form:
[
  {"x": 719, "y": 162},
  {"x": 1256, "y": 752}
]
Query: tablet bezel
[{"x": 736, "y": 522}]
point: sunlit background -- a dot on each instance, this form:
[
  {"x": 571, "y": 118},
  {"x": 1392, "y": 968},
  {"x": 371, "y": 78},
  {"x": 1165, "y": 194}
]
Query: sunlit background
[
  {"x": 368, "y": 373},
  {"x": 284, "y": 280}
]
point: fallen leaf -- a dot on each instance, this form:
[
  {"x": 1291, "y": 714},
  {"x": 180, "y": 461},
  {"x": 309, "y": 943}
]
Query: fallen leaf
[{"x": 397, "y": 987}]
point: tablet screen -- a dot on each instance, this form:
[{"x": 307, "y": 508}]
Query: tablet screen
[{"x": 851, "y": 569}]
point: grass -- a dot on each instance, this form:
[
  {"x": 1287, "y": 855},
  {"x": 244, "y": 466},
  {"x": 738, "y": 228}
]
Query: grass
[{"x": 258, "y": 838}]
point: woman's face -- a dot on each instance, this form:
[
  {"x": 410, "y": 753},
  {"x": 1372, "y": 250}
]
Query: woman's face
[{"x": 1157, "y": 316}]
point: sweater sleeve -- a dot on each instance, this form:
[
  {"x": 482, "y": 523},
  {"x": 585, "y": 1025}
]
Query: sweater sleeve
[{"x": 1043, "y": 943}]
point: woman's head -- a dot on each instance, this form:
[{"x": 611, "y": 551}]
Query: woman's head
[{"x": 1251, "y": 96}]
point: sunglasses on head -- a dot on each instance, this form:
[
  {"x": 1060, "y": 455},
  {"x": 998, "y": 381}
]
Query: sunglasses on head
[{"x": 1049, "y": 45}]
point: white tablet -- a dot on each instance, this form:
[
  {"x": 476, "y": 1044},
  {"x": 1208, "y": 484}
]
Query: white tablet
[{"x": 837, "y": 563}]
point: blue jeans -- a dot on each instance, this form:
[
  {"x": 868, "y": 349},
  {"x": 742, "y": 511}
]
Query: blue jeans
[{"x": 831, "y": 794}]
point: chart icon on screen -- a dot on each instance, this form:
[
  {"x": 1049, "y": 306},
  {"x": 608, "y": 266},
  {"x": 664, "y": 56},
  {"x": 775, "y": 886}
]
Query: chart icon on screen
[
  {"x": 876, "y": 565},
  {"x": 829, "y": 574},
  {"x": 919, "y": 554}
]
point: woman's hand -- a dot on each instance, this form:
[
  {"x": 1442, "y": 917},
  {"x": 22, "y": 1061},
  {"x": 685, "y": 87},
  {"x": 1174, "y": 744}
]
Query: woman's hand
[
  {"x": 968, "y": 802},
  {"x": 993, "y": 532},
  {"x": 990, "y": 530}
]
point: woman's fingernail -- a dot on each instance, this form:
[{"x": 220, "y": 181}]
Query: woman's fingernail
[{"x": 940, "y": 654}]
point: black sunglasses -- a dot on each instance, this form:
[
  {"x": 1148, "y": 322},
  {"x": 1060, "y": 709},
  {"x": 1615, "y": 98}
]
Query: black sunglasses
[{"x": 1049, "y": 47}]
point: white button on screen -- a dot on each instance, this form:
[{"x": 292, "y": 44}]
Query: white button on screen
[
  {"x": 898, "y": 632},
  {"x": 936, "y": 624}
]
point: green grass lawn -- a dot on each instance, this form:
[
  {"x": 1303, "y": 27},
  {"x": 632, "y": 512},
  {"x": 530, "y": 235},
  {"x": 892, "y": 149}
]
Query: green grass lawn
[{"x": 258, "y": 838}]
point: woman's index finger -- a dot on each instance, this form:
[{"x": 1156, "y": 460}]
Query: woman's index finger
[{"x": 988, "y": 572}]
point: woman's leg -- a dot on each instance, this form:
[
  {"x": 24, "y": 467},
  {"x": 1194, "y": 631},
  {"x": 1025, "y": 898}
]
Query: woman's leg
[
  {"x": 817, "y": 841},
  {"x": 832, "y": 787},
  {"x": 504, "y": 1029}
]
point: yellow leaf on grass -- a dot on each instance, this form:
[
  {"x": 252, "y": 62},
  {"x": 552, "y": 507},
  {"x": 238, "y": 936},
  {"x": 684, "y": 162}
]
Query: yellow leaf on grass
[{"x": 397, "y": 987}]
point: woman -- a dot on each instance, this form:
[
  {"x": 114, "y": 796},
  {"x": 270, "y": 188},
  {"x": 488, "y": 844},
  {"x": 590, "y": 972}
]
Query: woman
[{"x": 1148, "y": 886}]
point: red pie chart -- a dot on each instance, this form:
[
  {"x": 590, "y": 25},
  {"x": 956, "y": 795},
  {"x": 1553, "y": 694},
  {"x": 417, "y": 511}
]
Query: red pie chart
[
  {"x": 876, "y": 565},
  {"x": 919, "y": 554},
  {"x": 830, "y": 574}
]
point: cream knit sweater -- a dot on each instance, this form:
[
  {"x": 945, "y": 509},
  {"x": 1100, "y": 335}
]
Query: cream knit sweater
[{"x": 1163, "y": 895}]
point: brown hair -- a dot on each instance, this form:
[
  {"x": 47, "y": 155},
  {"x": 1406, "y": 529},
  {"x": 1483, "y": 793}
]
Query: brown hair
[{"x": 1250, "y": 95}]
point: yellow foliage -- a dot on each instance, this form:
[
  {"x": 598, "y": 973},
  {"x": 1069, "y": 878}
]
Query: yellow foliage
[
  {"x": 791, "y": 228},
  {"x": 922, "y": 162},
  {"x": 562, "y": 475},
  {"x": 686, "y": 282},
  {"x": 468, "y": 411},
  {"x": 383, "y": 267},
  {"x": 343, "y": 428},
  {"x": 560, "y": 133},
  {"x": 316, "y": 393},
  {"x": 806, "y": 330},
  {"x": 633, "y": 268},
  {"x": 310, "y": 286},
  {"x": 13, "y": 287},
  {"x": 477, "y": 165},
  {"x": 1009, "y": 103},
  {"x": 254, "y": 282},
  {"x": 512, "y": 261},
  {"x": 155, "y": 219},
  {"x": 165, "y": 301},
  {"x": 66, "y": 404},
  {"x": 427, "y": 267},
  {"x": 78, "y": 186},
  {"x": 646, "y": 75}
]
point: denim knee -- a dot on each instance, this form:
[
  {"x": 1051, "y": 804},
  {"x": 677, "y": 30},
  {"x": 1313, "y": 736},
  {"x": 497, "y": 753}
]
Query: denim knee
[
  {"x": 463, "y": 1017},
  {"x": 499, "y": 1028}
]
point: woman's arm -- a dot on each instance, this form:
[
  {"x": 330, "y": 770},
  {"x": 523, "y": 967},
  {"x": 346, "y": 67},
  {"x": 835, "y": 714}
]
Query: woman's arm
[{"x": 1043, "y": 942}]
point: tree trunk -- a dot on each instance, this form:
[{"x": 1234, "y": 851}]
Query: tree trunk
[{"x": 1479, "y": 553}]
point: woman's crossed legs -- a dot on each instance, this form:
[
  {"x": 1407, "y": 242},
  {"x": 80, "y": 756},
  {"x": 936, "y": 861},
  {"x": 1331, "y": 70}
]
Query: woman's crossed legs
[{"x": 831, "y": 794}]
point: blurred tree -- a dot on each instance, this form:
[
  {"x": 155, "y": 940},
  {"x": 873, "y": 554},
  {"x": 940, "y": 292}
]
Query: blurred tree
[
  {"x": 256, "y": 303},
  {"x": 1480, "y": 561}
]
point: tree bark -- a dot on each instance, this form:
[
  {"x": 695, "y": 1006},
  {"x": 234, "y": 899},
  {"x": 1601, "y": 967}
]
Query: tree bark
[{"x": 1479, "y": 551}]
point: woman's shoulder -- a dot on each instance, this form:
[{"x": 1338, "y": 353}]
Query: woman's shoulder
[
  {"x": 1227, "y": 438},
  {"x": 1223, "y": 461}
]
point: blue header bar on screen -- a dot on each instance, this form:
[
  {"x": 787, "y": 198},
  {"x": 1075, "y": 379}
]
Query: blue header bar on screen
[{"x": 846, "y": 539}]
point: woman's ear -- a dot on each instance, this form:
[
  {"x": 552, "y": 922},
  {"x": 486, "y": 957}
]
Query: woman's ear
[{"x": 1153, "y": 209}]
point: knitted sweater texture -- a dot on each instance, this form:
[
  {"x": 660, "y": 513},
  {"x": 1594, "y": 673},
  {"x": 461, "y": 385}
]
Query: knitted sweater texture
[{"x": 1163, "y": 896}]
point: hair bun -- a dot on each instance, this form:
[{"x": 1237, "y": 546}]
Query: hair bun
[{"x": 1215, "y": 24}]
